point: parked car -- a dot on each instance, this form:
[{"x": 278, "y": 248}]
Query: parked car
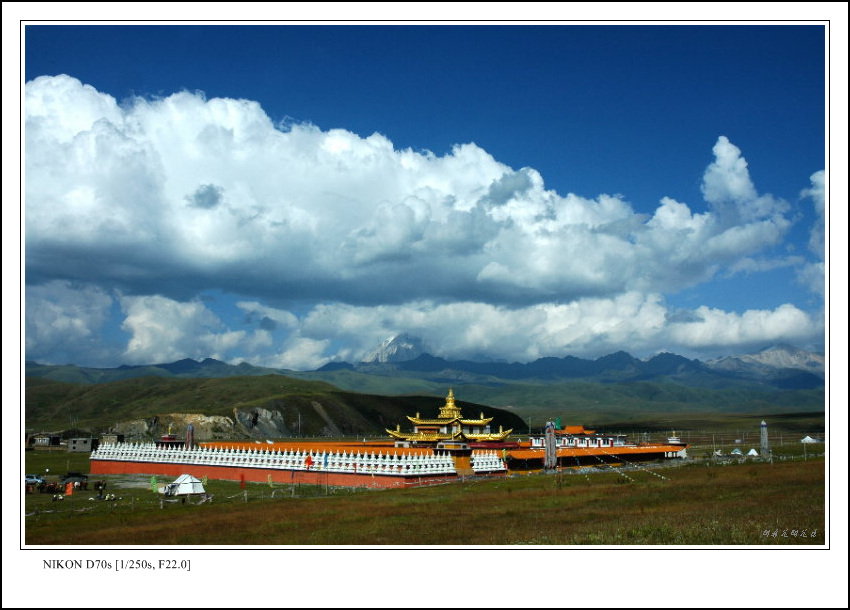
[
  {"x": 33, "y": 479},
  {"x": 75, "y": 477}
]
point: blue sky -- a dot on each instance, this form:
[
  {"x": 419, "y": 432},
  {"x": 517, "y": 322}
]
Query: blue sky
[{"x": 291, "y": 195}]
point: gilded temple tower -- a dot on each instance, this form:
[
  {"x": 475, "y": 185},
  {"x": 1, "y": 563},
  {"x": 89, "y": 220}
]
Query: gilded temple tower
[{"x": 449, "y": 425}]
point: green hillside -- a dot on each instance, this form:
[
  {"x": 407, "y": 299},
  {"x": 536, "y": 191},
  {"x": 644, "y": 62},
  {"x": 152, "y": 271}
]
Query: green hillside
[
  {"x": 616, "y": 388},
  {"x": 355, "y": 381},
  {"x": 586, "y": 401},
  {"x": 622, "y": 400},
  {"x": 310, "y": 407}
]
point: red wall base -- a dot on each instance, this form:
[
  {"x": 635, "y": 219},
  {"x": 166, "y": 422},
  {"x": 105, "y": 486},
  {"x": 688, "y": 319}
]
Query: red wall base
[{"x": 261, "y": 475}]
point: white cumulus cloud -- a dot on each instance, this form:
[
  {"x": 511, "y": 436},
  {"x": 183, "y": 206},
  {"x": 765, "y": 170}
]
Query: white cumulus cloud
[
  {"x": 812, "y": 275},
  {"x": 63, "y": 322},
  {"x": 717, "y": 328},
  {"x": 184, "y": 193},
  {"x": 163, "y": 330},
  {"x": 158, "y": 200}
]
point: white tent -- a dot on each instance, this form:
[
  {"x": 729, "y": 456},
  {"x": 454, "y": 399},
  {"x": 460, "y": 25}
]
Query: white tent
[
  {"x": 184, "y": 485},
  {"x": 737, "y": 451},
  {"x": 753, "y": 452},
  {"x": 809, "y": 439}
]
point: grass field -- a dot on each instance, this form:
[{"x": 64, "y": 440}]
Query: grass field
[{"x": 697, "y": 504}]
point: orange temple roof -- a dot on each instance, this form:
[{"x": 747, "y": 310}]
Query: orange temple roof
[{"x": 574, "y": 430}]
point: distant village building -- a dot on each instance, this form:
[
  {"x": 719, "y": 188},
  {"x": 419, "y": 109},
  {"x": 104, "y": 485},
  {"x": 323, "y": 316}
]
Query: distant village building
[
  {"x": 45, "y": 440},
  {"x": 112, "y": 438},
  {"x": 82, "y": 445}
]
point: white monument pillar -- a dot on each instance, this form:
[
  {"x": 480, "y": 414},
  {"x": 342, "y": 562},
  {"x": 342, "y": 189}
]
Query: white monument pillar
[{"x": 765, "y": 447}]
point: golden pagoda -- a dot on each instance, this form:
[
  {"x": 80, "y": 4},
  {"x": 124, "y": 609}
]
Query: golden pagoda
[{"x": 449, "y": 425}]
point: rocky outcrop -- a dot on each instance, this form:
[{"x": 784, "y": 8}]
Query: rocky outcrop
[
  {"x": 769, "y": 360},
  {"x": 261, "y": 423},
  {"x": 330, "y": 428},
  {"x": 206, "y": 427},
  {"x": 254, "y": 422},
  {"x": 133, "y": 429}
]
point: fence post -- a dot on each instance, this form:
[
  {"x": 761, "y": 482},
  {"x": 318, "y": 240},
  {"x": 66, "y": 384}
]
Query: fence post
[{"x": 245, "y": 495}]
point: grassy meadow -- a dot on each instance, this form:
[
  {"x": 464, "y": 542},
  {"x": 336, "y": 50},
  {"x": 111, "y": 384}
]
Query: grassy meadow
[{"x": 699, "y": 503}]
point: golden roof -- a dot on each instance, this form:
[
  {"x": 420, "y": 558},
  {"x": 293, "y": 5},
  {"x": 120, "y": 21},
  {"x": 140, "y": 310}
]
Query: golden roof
[
  {"x": 449, "y": 414},
  {"x": 445, "y": 421},
  {"x": 421, "y": 436},
  {"x": 477, "y": 422},
  {"x": 438, "y": 421},
  {"x": 497, "y": 436}
]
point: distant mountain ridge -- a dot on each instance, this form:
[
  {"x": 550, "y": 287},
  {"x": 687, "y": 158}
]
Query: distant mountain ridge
[
  {"x": 782, "y": 367},
  {"x": 616, "y": 385},
  {"x": 185, "y": 369}
]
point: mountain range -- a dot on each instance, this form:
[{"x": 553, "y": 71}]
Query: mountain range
[
  {"x": 401, "y": 358},
  {"x": 779, "y": 366},
  {"x": 780, "y": 379}
]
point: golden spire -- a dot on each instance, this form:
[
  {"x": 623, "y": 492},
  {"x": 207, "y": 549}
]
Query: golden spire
[{"x": 450, "y": 410}]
